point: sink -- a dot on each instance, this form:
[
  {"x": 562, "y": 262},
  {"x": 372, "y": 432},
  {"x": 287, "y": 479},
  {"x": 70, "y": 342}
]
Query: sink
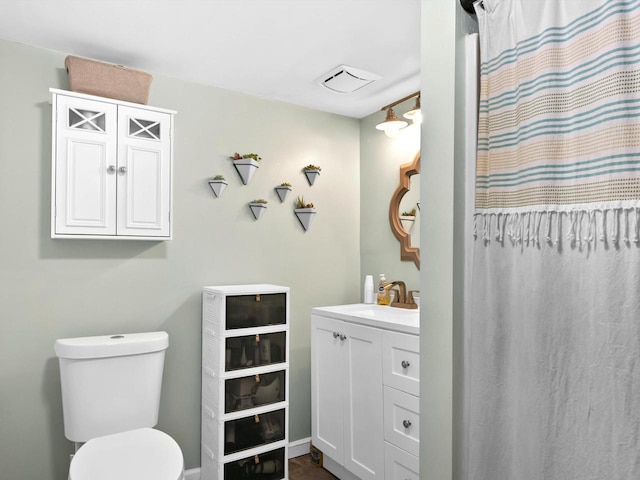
[{"x": 380, "y": 316}]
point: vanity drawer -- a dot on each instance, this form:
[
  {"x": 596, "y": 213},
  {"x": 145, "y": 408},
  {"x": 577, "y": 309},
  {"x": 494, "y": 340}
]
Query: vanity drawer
[
  {"x": 402, "y": 420},
  {"x": 401, "y": 361},
  {"x": 400, "y": 465}
]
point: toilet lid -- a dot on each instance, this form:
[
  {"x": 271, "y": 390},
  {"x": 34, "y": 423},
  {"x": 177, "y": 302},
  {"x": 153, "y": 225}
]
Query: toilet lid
[{"x": 143, "y": 454}]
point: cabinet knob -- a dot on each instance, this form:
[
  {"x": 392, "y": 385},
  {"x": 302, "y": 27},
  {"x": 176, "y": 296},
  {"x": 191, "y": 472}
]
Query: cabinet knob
[
  {"x": 111, "y": 169},
  {"x": 342, "y": 337},
  {"x": 336, "y": 334},
  {"x": 405, "y": 364},
  {"x": 122, "y": 170},
  {"x": 406, "y": 423}
]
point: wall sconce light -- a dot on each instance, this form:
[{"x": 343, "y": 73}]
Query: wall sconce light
[
  {"x": 415, "y": 114},
  {"x": 392, "y": 124}
]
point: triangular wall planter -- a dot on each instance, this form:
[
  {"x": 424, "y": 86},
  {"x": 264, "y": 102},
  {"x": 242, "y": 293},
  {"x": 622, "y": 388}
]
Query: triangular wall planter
[
  {"x": 283, "y": 193},
  {"x": 257, "y": 209},
  {"x": 311, "y": 175},
  {"x": 407, "y": 222},
  {"x": 218, "y": 186},
  {"x": 305, "y": 216},
  {"x": 246, "y": 167}
]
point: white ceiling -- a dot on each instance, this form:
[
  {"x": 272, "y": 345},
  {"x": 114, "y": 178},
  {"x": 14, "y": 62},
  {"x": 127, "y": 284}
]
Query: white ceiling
[{"x": 276, "y": 49}]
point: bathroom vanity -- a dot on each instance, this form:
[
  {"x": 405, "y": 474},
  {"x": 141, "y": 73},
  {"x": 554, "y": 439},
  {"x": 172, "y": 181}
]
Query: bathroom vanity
[
  {"x": 245, "y": 382},
  {"x": 365, "y": 369}
]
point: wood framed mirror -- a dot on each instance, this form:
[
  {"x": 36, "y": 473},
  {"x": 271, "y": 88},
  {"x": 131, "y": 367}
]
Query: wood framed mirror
[{"x": 407, "y": 252}]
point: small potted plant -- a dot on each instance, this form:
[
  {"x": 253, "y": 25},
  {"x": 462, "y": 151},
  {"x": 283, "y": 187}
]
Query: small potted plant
[
  {"x": 312, "y": 172},
  {"x": 258, "y": 207},
  {"x": 283, "y": 190},
  {"x": 218, "y": 184},
  {"x": 407, "y": 219},
  {"x": 246, "y": 165},
  {"x": 305, "y": 212}
]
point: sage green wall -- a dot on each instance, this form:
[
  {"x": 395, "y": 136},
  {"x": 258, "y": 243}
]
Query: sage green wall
[
  {"x": 444, "y": 27},
  {"x": 380, "y": 162},
  {"x": 66, "y": 288}
]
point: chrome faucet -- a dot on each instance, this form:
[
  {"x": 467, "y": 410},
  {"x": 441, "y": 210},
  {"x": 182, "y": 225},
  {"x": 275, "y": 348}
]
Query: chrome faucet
[{"x": 401, "y": 299}]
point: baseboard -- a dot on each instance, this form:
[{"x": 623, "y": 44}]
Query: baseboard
[
  {"x": 299, "y": 447},
  {"x": 296, "y": 449},
  {"x": 192, "y": 474}
]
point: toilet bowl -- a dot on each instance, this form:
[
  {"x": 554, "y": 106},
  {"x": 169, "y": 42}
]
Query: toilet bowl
[{"x": 142, "y": 454}]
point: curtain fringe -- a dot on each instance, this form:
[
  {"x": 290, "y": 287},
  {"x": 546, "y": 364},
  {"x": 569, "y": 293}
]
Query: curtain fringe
[{"x": 582, "y": 227}]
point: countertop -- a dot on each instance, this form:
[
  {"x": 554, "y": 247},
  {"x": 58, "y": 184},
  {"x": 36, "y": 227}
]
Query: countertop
[{"x": 379, "y": 316}]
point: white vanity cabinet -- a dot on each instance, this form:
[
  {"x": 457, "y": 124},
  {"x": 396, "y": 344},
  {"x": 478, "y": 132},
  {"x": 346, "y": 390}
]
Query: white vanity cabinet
[
  {"x": 346, "y": 393},
  {"x": 111, "y": 168},
  {"x": 365, "y": 391},
  {"x": 245, "y": 382}
]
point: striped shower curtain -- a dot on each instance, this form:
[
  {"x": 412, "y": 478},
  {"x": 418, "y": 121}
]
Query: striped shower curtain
[{"x": 552, "y": 357}]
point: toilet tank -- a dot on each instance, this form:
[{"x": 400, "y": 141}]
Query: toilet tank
[{"x": 110, "y": 383}]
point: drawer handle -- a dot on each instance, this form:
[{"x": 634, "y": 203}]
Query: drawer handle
[
  {"x": 343, "y": 337},
  {"x": 336, "y": 334},
  {"x": 405, "y": 364},
  {"x": 406, "y": 423}
]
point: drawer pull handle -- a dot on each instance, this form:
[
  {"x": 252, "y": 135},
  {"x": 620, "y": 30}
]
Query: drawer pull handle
[
  {"x": 405, "y": 364},
  {"x": 343, "y": 337},
  {"x": 406, "y": 423},
  {"x": 336, "y": 334}
]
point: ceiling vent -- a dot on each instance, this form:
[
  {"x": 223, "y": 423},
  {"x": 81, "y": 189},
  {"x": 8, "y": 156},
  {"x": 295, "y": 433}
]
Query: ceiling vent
[{"x": 345, "y": 79}]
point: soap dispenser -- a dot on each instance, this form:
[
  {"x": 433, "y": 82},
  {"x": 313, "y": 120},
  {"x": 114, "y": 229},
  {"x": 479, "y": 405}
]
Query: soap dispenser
[{"x": 383, "y": 294}]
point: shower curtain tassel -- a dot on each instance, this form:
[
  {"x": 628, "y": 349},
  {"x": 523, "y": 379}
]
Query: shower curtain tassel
[
  {"x": 487, "y": 228},
  {"x": 580, "y": 216},
  {"x": 592, "y": 226},
  {"x": 603, "y": 226},
  {"x": 498, "y": 216},
  {"x": 538, "y": 222},
  {"x": 548, "y": 236},
  {"x": 614, "y": 227},
  {"x": 475, "y": 226},
  {"x": 504, "y": 223},
  {"x": 519, "y": 228},
  {"x": 626, "y": 226},
  {"x": 558, "y": 226},
  {"x": 527, "y": 229},
  {"x": 572, "y": 232},
  {"x": 635, "y": 232}
]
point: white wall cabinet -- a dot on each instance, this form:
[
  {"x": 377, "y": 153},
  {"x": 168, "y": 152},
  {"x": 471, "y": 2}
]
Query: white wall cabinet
[
  {"x": 365, "y": 396},
  {"x": 111, "y": 168},
  {"x": 245, "y": 382}
]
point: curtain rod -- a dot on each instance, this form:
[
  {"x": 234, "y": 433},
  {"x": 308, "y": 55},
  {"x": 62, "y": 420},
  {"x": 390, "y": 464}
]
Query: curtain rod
[{"x": 468, "y": 5}]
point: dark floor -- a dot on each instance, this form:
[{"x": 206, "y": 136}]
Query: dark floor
[{"x": 301, "y": 468}]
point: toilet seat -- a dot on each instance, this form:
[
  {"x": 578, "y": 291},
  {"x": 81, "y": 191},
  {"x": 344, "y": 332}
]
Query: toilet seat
[{"x": 142, "y": 454}]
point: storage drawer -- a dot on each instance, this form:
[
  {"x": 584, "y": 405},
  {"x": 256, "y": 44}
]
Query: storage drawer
[
  {"x": 401, "y": 361},
  {"x": 400, "y": 465},
  {"x": 244, "y": 392},
  {"x": 270, "y": 465},
  {"x": 266, "y": 466},
  {"x": 259, "y": 310},
  {"x": 255, "y": 350},
  {"x": 231, "y": 436},
  {"x": 402, "y": 420}
]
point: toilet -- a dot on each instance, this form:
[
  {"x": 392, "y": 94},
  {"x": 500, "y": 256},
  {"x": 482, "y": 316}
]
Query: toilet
[{"x": 110, "y": 399}]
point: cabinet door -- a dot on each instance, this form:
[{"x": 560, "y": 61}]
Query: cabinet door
[
  {"x": 327, "y": 387},
  {"x": 85, "y": 166},
  {"x": 363, "y": 401},
  {"x": 144, "y": 172}
]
